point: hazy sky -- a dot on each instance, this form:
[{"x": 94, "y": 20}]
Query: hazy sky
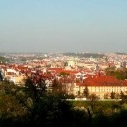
[{"x": 63, "y": 25}]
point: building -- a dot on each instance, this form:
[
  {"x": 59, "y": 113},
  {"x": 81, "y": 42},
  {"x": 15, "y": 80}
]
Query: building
[{"x": 102, "y": 86}]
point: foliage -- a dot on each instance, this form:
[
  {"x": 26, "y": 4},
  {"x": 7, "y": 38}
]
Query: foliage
[
  {"x": 86, "y": 92},
  {"x": 3, "y": 59},
  {"x": 120, "y": 73},
  {"x": 110, "y": 70},
  {"x": 57, "y": 88},
  {"x": 112, "y": 95},
  {"x": 10, "y": 109},
  {"x": 34, "y": 105}
]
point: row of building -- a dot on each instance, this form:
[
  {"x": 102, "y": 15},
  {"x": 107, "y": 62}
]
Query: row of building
[{"x": 73, "y": 74}]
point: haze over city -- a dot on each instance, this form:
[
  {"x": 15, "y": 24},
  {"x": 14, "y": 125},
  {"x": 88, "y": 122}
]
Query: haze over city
[{"x": 63, "y": 25}]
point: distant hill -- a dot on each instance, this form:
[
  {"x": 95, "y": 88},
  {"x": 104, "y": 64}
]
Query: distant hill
[
  {"x": 119, "y": 53},
  {"x": 85, "y": 55}
]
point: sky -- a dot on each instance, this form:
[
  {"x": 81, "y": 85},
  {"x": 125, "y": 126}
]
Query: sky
[{"x": 63, "y": 26}]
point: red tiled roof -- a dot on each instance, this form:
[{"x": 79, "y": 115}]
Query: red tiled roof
[{"x": 103, "y": 81}]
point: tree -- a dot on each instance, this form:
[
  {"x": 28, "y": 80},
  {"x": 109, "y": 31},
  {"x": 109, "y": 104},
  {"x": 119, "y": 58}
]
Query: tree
[
  {"x": 46, "y": 108},
  {"x": 34, "y": 105},
  {"x": 58, "y": 88},
  {"x": 10, "y": 109},
  {"x": 106, "y": 96},
  {"x": 93, "y": 99},
  {"x": 112, "y": 95},
  {"x": 3, "y": 60},
  {"x": 86, "y": 92},
  {"x": 121, "y": 95},
  {"x": 120, "y": 73},
  {"x": 110, "y": 71},
  {"x": 91, "y": 106},
  {"x": 1, "y": 77}
]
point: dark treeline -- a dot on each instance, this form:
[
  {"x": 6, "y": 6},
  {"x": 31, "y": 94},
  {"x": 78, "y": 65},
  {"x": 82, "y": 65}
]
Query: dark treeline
[
  {"x": 33, "y": 105},
  {"x": 85, "y": 55},
  {"x": 121, "y": 53}
]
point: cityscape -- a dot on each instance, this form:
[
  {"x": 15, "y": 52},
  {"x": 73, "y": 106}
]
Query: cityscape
[
  {"x": 63, "y": 63},
  {"x": 74, "y": 71}
]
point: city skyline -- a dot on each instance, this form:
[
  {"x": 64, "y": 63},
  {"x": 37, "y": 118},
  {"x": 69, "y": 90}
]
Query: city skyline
[{"x": 63, "y": 26}]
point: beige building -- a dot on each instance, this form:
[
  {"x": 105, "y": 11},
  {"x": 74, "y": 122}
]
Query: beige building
[
  {"x": 102, "y": 86},
  {"x": 14, "y": 76}
]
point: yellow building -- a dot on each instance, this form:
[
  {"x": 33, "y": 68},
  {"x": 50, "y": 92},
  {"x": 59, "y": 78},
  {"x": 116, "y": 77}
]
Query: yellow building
[{"x": 102, "y": 86}]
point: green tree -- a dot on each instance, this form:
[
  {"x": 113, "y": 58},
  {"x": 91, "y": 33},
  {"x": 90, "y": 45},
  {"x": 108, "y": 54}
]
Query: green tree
[
  {"x": 45, "y": 108},
  {"x": 58, "y": 88},
  {"x": 112, "y": 95},
  {"x": 3, "y": 60},
  {"x": 121, "y": 95},
  {"x": 10, "y": 109},
  {"x": 106, "y": 96},
  {"x": 86, "y": 92},
  {"x": 93, "y": 98},
  {"x": 91, "y": 108},
  {"x": 110, "y": 71}
]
